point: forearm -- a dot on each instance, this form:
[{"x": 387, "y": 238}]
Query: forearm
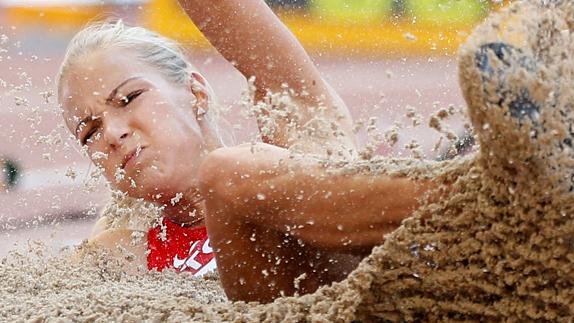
[{"x": 343, "y": 212}]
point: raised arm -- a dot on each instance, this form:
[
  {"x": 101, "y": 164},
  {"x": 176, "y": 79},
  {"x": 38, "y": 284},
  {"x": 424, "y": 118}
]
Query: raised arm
[{"x": 248, "y": 34}]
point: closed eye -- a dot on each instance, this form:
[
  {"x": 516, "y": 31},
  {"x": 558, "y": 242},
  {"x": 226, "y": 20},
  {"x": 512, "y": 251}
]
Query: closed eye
[{"x": 89, "y": 135}]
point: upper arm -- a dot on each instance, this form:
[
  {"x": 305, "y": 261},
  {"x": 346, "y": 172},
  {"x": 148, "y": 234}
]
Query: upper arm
[{"x": 248, "y": 34}]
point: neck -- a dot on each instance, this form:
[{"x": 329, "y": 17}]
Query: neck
[
  {"x": 185, "y": 209},
  {"x": 211, "y": 136}
]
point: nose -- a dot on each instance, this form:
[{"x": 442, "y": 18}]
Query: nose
[{"x": 116, "y": 131}]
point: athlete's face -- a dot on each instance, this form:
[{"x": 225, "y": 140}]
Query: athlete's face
[{"x": 137, "y": 125}]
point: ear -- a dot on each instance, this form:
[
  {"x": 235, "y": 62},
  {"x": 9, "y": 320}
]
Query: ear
[
  {"x": 201, "y": 90},
  {"x": 197, "y": 77},
  {"x": 203, "y": 94}
]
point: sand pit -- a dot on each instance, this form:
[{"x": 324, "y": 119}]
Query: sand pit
[{"x": 496, "y": 245}]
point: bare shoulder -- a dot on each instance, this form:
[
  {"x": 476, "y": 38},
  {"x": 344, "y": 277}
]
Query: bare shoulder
[
  {"x": 101, "y": 225},
  {"x": 247, "y": 150},
  {"x": 123, "y": 241},
  {"x": 241, "y": 158},
  {"x": 231, "y": 171}
]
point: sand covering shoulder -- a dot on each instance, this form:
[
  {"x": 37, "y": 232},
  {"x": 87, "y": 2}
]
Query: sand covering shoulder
[{"x": 498, "y": 244}]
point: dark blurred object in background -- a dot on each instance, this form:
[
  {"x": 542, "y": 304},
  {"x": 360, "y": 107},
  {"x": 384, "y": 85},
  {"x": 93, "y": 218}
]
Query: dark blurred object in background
[
  {"x": 398, "y": 8},
  {"x": 10, "y": 173},
  {"x": 288, "y": 3}
]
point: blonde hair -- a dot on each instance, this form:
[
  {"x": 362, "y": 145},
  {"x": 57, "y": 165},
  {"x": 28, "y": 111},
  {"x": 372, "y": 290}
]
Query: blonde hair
[{"x": 151, "y": 48}]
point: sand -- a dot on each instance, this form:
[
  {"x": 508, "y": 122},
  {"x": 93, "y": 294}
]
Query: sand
[{"x": 495, "y": 244}]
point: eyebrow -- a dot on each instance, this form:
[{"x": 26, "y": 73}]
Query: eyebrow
[{"x": 109, "y": 99}]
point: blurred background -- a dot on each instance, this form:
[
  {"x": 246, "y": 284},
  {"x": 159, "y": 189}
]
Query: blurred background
[{"x": 390, "y": 59}]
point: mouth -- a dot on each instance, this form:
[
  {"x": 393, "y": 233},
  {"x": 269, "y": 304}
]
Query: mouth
[{"x": 131, "y": 157}]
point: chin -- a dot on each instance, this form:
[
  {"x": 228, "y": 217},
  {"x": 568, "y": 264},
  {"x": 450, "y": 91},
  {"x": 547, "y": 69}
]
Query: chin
[
  {"x": 153, "y": 182},
  {"x": 144, "y": 188},
  {"x": 156, "y": 190}
]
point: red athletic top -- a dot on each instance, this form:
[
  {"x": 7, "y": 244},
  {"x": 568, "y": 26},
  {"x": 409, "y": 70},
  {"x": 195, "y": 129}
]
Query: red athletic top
[{"x": 184, "y": 249}]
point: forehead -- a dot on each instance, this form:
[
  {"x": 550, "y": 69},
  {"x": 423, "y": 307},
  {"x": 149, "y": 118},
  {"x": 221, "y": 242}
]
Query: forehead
[{"x": 92, "y": 78}]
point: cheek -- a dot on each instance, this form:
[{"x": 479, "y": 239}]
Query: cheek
[
  {"x": 101, "y": 158},
  {"x": 155, "y": 124},
  {"x": 179, "y": 158},
  {"x": 176, "y": 131},
  {"x": 180, "y": 153}
]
